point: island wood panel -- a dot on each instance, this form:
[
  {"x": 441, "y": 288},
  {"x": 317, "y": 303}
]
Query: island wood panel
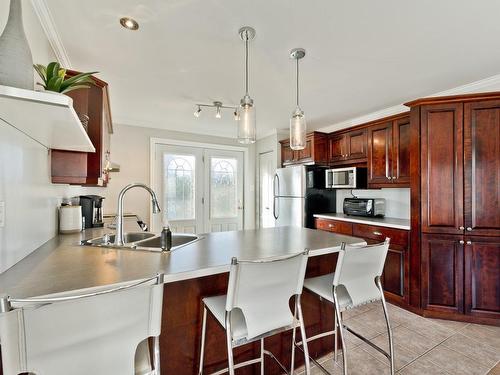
[
  {"x": 482, "y": 168},
  {"x": 482, "y": 276},
  {"x": 182, "y": 318},
  {"x": 442, "y": 169},
  {"x": 442, "y": 273}
]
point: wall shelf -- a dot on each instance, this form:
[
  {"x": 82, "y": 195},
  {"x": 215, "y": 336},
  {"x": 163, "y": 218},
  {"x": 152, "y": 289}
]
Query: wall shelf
[{"x": 48, "y": 118}]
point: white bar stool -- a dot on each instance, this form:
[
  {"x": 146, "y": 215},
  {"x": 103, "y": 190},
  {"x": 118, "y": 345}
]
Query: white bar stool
[
  {"x": 99, "y": 332},
  {"x": 257, "y": 306},
  {"x": 356, "y": 282}
]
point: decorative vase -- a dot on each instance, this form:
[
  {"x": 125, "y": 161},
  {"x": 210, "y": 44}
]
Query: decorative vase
[{"x": 16, "y": 63}]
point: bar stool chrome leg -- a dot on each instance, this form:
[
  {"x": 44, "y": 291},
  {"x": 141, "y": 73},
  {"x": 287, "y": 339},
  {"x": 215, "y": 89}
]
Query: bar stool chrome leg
[
  {"x": 292, "y": 365},
  {"x": 261, "y": 356},
  {"x": 156, "y": 355},
  {"x": 202, "y": 346},
  {"x": 389, "y": 329},
  {"x": 335, "y": 350},
  {"x": 230, "y": 358},
  {"x": 303, "y": 334},
  {"x": 341, "y": 332}
]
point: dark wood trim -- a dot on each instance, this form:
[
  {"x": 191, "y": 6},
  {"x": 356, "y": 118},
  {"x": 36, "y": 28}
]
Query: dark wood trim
[
  {"x": 373, "y": 122},
  {"x": 454, "y": 99}
]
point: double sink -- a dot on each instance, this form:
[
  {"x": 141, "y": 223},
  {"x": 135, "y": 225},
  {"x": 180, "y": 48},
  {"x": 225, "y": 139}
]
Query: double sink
[{"x": 145, "y": 241}]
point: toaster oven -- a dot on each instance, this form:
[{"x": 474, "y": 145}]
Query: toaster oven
[{"x": 364, "y": 206}]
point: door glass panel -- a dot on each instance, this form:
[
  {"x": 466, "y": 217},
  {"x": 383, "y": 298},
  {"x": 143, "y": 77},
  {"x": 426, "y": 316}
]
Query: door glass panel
[
  {"x": 179, "y": 186},
  {"x": 223, "y": 188}
]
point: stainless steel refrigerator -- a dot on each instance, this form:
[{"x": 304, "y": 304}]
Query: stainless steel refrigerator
[{"x": 299, "y": 193}]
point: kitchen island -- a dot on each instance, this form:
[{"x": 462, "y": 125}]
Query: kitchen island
[{"x": 191, "y": 272}]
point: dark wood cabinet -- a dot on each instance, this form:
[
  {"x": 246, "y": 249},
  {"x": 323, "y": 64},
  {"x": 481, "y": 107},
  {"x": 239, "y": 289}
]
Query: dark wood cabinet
[
  {"x": 401, "y": 151},
  {"x": 455, "y": 205},
  {"x": 482, "y": 168},
  {"x": 482, "y": 276},
  {"x": 395, "y": 277},
  {"x": 379, "y": 153},
  {"x": 442, "y": 168},
  {"x": 80, "y": 168},
  {"x": 442, "y": 273},
  {"x": 315, "y": 152},
  {"x": 389, "y": 153},
  {"x": 350, "y": 147}
]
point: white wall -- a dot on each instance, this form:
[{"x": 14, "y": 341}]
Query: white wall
[
  {"x": 30, "y": 199},
  {"x": 130, "y": 147},
  {"x": 397, "y": 200}
]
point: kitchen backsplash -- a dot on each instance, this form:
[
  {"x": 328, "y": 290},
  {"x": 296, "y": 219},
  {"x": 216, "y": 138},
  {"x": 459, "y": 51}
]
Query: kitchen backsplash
[{"x": 397, "y": 200}]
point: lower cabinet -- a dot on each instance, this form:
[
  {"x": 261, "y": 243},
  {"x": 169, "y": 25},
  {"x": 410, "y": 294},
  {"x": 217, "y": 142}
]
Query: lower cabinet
[
  {"x": 395, "y": 277},
  {"x": 482, "y": 277},
  {"x": 461, "y": 275},
  {"x": 442, "y": 273}
]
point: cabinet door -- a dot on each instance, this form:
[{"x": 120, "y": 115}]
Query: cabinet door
[
  {"x": 442, "y": 273},
  {"x": 286, "y": 153},
  {"x": 338, "y": 148},
  {"x": 395, "y": 276},
  {"x": 306, "y": 154},
  {"x": 379, "y": 153},
  {"x": 442, "y": 168},
  {"x": 482, "y": 277},
  {"x": 482, "y": 168},
  {"x": 335, "y": 226},
  {"x": 357, "y": 144},
  {"x": 401, "y": 152}
]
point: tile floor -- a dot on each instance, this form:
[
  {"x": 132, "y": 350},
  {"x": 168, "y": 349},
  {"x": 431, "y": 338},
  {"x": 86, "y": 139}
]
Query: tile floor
[{"x": 422, "y": 346}]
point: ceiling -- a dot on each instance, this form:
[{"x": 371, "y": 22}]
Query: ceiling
[{"x": 362, "y": 56}]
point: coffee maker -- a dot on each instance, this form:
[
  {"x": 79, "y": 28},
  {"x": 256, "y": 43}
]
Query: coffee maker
[{"x": 92, "y": 211}]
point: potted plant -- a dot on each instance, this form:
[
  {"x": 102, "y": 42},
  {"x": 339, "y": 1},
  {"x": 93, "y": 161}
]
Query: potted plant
[{"x": 54, "y": 78}]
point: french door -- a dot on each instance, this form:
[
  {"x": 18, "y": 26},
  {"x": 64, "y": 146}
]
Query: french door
[{"x": 201, "y": 189}]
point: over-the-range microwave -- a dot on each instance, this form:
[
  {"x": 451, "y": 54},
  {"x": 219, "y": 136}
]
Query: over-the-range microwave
[{"x": 346, "y": 178}]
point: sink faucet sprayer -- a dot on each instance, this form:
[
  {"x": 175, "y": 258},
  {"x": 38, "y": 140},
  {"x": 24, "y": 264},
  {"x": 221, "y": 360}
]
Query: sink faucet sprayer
[{"x": 119, "y": 240}]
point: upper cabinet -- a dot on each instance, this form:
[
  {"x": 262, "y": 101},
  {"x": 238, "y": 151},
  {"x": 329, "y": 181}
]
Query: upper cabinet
[
  {"x": 81, "y": 168},
  {"x": 347, "y": 147},
  {"x": 460, "y": 167},
  {"x": 315, "y": 152},
  {"x": 389, "y": 153}
]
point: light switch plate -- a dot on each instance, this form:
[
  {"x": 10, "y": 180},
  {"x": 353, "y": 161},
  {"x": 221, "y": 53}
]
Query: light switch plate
[{"x": 2, "y": 214}]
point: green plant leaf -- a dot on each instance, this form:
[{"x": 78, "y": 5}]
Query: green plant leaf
[
  {"x": 79, "y": 78},
  {"x": 61, "y": 73},
  {"x": 52, "y": 70},
  {"x": 74, "y": 87},
  {"x": 42, "y": 71}
]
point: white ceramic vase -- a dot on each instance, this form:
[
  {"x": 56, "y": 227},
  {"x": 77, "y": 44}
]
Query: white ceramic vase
[{"x": 16, "y": 63}]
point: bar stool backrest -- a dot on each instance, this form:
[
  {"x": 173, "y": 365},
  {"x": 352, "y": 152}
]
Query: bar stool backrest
[
  {"x": 262, "y": 290},
  {"x": 94, "y": 333},
  {"x": 357, "y": 268}
]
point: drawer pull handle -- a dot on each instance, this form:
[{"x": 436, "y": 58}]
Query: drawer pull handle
[
  {"x": 376, "y": 233},
  {"x": 469, "y": 229},
  {"x": 461, "y": 242},
  {"x": 330, "y": 225},
  {"x": 461, "y": 228},
  {"x": 469, "y": 242}
]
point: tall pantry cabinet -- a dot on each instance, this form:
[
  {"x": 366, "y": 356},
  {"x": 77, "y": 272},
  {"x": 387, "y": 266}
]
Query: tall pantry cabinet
[{"x": 456, "y": 204}]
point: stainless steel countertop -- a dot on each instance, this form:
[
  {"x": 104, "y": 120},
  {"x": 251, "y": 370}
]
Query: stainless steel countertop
[
  {"x": 389, "y": 222},
  {"x": 62, "y": 265}
]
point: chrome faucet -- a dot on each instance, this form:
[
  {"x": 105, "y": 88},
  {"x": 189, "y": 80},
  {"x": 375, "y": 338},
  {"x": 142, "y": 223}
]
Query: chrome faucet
[{"x": 119, "y": 238}]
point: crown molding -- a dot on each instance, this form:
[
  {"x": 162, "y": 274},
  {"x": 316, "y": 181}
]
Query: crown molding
[
  {"x": 484, "y": 85},
  {"x": 49, "y": 27}
]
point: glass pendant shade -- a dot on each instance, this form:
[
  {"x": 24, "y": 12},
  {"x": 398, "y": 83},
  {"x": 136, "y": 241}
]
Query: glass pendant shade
[
  {"x": 298, "y": 130},
  {"x": 246, "y": 123}
]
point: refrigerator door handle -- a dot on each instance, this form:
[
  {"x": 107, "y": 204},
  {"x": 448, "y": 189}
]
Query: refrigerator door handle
[
  {"x": 274, "y": 208},
  {"x": 276, "y": 184}
]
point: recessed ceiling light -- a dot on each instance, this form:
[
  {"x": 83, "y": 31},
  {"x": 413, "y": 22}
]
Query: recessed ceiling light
[{"x": 129, "y": 23}]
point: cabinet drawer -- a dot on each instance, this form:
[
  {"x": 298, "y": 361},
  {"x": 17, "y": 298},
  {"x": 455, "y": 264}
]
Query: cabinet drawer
[
  {"x": 335, "y": 226},
  {"x": 397, "y": 236}
]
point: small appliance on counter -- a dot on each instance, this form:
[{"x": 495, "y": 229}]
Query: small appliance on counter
[
  {"x": 92, "y": 211},
  {"x": 364, "y": 207},
  {"x": 70, "y": 219},
  {"x": 346, "y": 178}
]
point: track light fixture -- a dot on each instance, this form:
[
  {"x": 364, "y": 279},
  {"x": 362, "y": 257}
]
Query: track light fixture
[{"x": 218, "y": 109}]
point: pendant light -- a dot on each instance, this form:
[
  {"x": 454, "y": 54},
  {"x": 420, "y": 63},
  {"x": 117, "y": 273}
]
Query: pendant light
[
  {"x": 246, "y": 115},
  {"x": 298, "y": 120}
]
